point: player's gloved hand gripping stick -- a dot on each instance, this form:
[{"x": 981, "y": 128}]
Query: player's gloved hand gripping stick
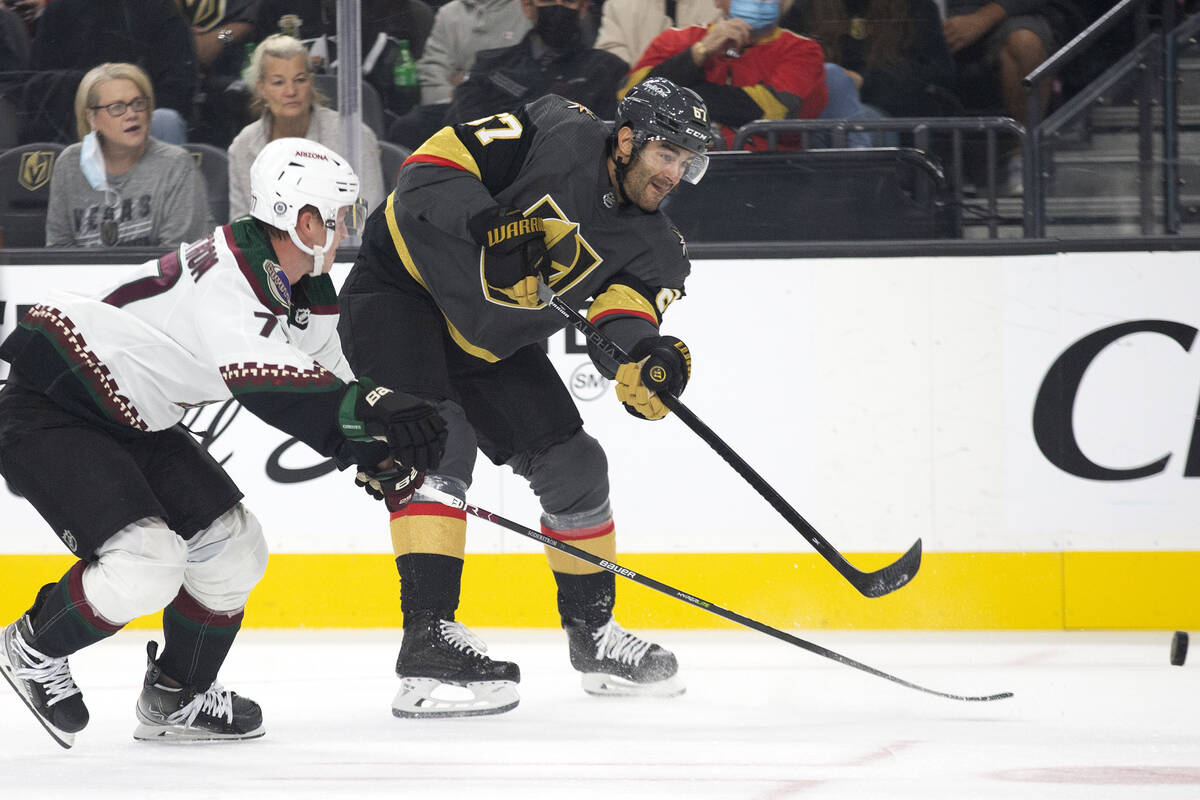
[
  {"x": 871, "y": 584},
  {"x": 514, "y": 252},
  {"x": 395, "y": 439}
]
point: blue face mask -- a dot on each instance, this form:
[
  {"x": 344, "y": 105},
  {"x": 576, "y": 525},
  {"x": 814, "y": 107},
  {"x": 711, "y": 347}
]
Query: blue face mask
[
  {"x": 757, "y": 13},
  {"x": 91, "y": 161}
]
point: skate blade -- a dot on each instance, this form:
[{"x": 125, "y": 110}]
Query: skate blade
[
  {"x": 421, "y": 698},
  {"x": 177, "y": 734},
  {"x": 603, "y": 684},
  {"x": 64, "y": 739}
]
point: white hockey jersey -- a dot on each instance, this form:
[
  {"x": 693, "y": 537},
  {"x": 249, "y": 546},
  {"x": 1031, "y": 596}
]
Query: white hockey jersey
[{"x": 213, "y": 320}]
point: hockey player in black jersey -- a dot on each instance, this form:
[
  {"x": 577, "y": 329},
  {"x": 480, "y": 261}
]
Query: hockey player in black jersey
[
  {"x": 90, "y": 434},
  {"x": 442, "y": 303}
]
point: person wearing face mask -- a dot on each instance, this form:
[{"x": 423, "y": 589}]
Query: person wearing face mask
[
  {"x": 120, "y": 185},
  {"x": 91, "y": 436},
  {"x": 744, "y": 66},
  {"x": 550, "y": 59}
]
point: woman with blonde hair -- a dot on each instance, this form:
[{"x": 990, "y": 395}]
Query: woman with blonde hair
[
  {"x": 281, "y": 80},
  {"x": 119, "y": 185}
]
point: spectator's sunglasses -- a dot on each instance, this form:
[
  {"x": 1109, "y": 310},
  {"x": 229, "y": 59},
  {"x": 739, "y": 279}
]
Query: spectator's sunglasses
[{"x": 118, "y": 109}]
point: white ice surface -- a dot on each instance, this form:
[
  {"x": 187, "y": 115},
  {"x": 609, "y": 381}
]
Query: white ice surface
[{"x": 1095, "y": 716}]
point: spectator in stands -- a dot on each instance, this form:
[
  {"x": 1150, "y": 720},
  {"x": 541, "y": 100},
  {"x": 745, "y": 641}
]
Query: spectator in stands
[
  {"x": 280, "y": 76},
  {"x": 744, "y": 66},
  {"x": 28, "y": 10},
  {"x": 628, "y": 26},
  {"x": 384, "y": 24},
  {"x": 893, "y": 50},
  {"x": 221, "y": 31},
  {"x": 75, "y": 35},
  {"x": 550, "y": 59},
  {"x": 461, "y": 29},
  {"x": 120, "y": 185},
  {"x": 996, "y": 43},
  {"x": 14, "y": 42}
]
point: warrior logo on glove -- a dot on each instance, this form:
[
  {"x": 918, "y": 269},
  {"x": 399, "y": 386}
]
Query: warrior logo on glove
[{"x": 516, "y": 250}]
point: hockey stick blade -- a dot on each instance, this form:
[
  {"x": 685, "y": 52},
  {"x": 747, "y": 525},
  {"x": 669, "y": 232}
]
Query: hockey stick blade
[
  {"x": 870, "y": 584},
  {"x": 650, "y": 583}
]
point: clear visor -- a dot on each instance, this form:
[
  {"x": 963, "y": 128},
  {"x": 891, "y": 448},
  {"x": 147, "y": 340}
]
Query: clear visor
[
  {"x": 349, "y": 220},
  {"x": 668, "y": 154}
]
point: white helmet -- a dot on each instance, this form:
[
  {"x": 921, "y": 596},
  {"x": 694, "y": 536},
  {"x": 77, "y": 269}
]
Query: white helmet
[{"x": 292, "y": 173}]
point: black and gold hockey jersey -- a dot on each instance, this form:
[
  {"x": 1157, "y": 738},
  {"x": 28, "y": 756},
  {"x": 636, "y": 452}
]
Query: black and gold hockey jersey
[{"x": 548, "y": 160}]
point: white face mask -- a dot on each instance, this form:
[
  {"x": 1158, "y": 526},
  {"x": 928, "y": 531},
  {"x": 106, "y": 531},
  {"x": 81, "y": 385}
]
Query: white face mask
[{"x": 91, "y": 161}]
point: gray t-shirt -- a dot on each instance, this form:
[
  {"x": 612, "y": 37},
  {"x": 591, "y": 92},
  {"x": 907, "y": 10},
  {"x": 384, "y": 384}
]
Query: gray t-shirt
[{"x": 161, "y": 202}]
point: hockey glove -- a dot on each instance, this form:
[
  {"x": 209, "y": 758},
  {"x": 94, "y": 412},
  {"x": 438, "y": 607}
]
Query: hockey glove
[
  {"x": 514, "y": 253},
  {"x": 413, "y": 429},
  {"x": 395, "y": 486},
  {"x": 664, "y": 364}
]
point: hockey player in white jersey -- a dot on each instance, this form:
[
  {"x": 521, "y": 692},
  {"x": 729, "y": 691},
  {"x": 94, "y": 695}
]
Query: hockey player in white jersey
[{"x": 90, "y": 434}]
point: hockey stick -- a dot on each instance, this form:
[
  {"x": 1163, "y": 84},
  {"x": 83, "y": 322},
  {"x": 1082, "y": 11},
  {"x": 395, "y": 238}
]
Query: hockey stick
[
  {"x": 870, "y": 584},
  {"x": 692, "y": 600}
]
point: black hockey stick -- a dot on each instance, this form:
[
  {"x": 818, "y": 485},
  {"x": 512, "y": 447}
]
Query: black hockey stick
[
  {"x": 692, "y": 600},
  {"x": 870, "y": 584}
]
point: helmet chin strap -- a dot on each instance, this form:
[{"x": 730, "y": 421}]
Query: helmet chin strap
[{"x": 316, "y": 251}]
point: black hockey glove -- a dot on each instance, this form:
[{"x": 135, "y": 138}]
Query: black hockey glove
[
  {"x": 514, "y": 253},
  {"x": 395, "y": 486},
  {"x": 663, "y": 363},
  {"x": 413, "y": 429}
]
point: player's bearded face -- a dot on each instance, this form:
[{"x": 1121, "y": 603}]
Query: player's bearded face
[{"x": 655, "y": 173}]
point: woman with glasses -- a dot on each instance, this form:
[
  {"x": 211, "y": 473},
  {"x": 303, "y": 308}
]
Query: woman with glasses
[
  {"x": 119, "y": 185},
  {"x": 281, "y": 79}
]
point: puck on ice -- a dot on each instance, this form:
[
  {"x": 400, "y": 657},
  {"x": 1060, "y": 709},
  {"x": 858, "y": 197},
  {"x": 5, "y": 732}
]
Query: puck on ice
[{"x": 1179, "y": 643}]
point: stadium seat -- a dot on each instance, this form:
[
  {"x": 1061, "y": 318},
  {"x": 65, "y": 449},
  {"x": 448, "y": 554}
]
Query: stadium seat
[
  {"x": 25, "y": 192},
  {"x": 815, "y": 195},
  {"x": 391, "y": 158},
  {"x": 214, "y": 166},
  {"x": 372, "y": 106}
]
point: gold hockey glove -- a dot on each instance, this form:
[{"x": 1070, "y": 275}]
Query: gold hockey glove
[
  {"x": 665, "y": 364},
  {"x": 513, "y": 254}
]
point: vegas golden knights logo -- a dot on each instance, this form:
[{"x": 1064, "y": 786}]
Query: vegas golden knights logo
[
  {"x": 571, "y": 257},
  {"x": 202, "y": 14},
  {"x": 34, "y": 170}
]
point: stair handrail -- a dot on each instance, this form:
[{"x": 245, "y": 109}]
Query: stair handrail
[{"x": 1035, "y": 195}]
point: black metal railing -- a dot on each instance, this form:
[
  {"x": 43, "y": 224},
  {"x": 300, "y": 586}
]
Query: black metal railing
[{"x": 922, "y": 130}]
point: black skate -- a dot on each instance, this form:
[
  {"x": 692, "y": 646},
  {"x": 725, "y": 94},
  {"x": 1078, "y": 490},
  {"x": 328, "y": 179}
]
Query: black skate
[
  {"x": 43, "y": 683},
  {"x": 444, "y": 673},
  {"x": 187, "y": 714},
  {"x": 614, "y": 662}
]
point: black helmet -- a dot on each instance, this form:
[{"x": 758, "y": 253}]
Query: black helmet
[{"x": 659, "y": 109}]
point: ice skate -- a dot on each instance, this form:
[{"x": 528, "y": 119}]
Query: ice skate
[
  {"x": 186, "y": 714},
  {"x": 43, "y": 683},
  {"x": 444, "y": 673},
  {"x": 614, "y": 662}
]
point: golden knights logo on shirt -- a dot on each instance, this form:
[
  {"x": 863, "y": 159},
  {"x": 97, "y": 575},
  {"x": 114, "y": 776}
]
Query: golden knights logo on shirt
[
  {"x": 202, "y": 14},
  {"x": 571, "y": 256}
]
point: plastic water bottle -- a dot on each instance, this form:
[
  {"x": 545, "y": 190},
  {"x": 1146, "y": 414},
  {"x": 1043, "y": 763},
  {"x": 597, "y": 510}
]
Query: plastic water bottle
[
  {"x": 406, "y": 90},
  {"x": 404, "y": 69}
]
